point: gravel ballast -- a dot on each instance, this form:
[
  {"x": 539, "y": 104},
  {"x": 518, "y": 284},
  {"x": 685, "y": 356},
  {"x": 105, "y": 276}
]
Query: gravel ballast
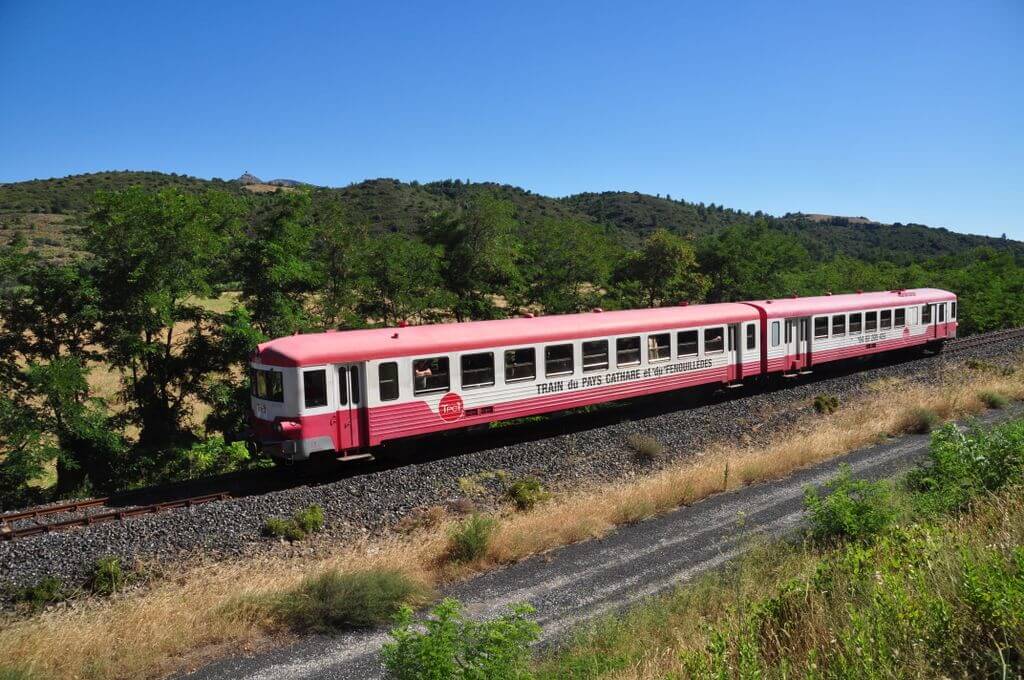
[{"x": 369, "y": 503}]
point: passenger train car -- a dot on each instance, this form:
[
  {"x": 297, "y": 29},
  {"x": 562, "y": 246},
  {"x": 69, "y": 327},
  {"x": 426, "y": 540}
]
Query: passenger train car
[{"x": 346, "y": 392}]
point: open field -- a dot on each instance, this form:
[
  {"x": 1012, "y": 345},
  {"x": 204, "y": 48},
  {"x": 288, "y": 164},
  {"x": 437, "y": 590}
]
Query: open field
[{"x": 143, "y": 633}]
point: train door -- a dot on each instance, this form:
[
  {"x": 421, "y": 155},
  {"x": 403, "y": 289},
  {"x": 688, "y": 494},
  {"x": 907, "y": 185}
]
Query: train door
[
  {"x": 351, "y": 417},
  {"x": 735, "y": 353},
  {"x": 797, "y": 345},
  {"x": 931, "y": 329}
]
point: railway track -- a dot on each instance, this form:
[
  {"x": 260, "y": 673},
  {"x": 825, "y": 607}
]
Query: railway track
[
  {"x": 9, "y": 531},
  {"x": 15, "y": 525}
]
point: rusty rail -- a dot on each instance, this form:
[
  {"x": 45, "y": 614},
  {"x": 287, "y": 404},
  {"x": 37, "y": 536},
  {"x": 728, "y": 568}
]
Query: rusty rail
[
  {"x": 9, "y": 533},
  {"x": 986, "y": 339}
]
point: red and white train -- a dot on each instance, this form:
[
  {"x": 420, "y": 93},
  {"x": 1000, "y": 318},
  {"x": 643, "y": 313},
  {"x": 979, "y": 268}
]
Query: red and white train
[{"x": 346, "y": 392}]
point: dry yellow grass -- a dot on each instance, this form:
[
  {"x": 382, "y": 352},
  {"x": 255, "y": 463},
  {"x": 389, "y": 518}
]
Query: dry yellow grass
[{"x": 145, "y": 634}]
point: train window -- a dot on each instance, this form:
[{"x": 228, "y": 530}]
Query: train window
[
  {"x": 926, "y": 314},
  {"x": 714, "y": 340},
  {"x": 751, "y": 336},
  {"x": 870, "y": 322},
  {"x": 520, "y": 364},
  {"x": 687, "y": 341},
  {"x": 942, "y": 312},
  {"x": 353, "y": 371},
  {"x": 477, "y": 369},
  {"x": 659, "y": 347},
  {"x": 268, "y": 385},
  {"x": 595, "y": 355},
  {"x": 855, "y": 323},
  {"x": 839, "y": 324},
  {"x": 789, "y": 332},
  {"x": 430, "y": 375},
  {"x": 821, "y": 327},
  {"x": 775, "y": 334},
  {"x": 886, "y": 319},
  {"x": 388, "y": 376},
  {"x": 627, "y": 351},
  {"x": 557, "y": 360},
  {"x": 314, "y": 387},
  {"x": 952, "y": 310},
  {"x": 900, "y": 318}
]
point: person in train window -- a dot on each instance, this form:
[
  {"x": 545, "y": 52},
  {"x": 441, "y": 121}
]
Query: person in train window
[{"x": 421, "y": 369}]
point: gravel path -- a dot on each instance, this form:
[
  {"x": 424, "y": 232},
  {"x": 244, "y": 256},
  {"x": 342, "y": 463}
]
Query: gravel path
[{"x": 369, "y": 503}]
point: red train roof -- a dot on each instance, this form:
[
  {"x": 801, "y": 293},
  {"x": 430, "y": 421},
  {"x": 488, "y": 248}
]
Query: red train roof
[
  {"x": 831, "y": 304},
  {"x": 379, "y": 343}
]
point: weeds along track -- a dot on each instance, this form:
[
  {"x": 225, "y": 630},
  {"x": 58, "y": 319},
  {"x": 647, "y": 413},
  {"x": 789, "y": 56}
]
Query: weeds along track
[{"x": 222, "y": 516}]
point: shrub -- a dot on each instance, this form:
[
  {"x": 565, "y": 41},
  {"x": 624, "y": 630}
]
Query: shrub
[
  {"x": 470, "y": 538},
  {"x": 448, "y": 646},
  {"x": 107, "y": 576},
  {"x": 993, "y": 399},
  {"x": 921, "y": 421},
  {"x": 826, "y": 404},
  {"x": 47, "y": 590},
  {"x": 12, "y": 673},
  {"x": 525, "y": 493},
  {"x": 335, "y": 600},
  {"x": 311, "y": 519},
  {"x": 853, "y": 509},
  {"x": 964, "y": 465},
  {"x": 307, "y": 521},
  {"x": 645, "y": 447}
]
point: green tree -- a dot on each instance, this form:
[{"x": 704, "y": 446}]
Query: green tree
[
  {"x": 480, "y": 248},
  {"x": 24, "y": 452},
  {"x": 748, "y": 262},
  {"x": 152, "y": 254},
  {"x": 404, "y": 281},
  {"x": 341, "y": 257},
  {"x": 564, "y": 265},
  {"x": 662, "y": 272},
  {"x": 276, "y": 266}
]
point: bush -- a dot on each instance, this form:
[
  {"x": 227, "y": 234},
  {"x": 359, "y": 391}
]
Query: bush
[
  {"x": 335, "y": 600},
  {"x": 47, "y": 590},
  {"x": 470, "y": 538},
  {"x": 645, "y": 447},
  {"x": 853, "y": 509},
  {"x": 107, "y": 576},
  {"x": 448, "y": 646},
  {"x": 921, "y": 421},
  {"x": 965, "y": 465},
  {"x": 525, "y": 493},
  {"x": 993, "y": 399},
  {"x": 307, "y": 521},
  {"x": 12, "y": 673},
  {"x": 311, "y": 519},
  {"x": 826, "y": 404}
]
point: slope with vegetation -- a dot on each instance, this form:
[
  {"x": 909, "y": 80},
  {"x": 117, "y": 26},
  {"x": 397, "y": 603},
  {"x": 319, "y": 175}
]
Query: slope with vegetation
[{"x": 121, "y": 362}]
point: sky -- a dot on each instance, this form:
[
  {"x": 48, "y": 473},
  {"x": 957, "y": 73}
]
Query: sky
[{"x": 909, "y": 111}]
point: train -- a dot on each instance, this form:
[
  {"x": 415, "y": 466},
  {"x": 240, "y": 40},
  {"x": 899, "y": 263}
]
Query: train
[{"x": 342, "y": 394}]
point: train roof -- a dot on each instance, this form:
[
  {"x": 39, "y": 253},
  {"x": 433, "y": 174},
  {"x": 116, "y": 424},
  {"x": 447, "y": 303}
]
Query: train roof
[
  {"x": 829, "y": 304},
  {"x": 379, "y": 343}
]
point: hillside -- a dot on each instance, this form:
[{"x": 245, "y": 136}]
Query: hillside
[{"x": 48, "y": 211}]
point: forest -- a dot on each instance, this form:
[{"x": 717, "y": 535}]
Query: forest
[{"x": 122, "y": 359}]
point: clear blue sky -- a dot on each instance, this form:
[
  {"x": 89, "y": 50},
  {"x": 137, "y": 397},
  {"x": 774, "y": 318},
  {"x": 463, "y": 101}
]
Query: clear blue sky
[{"x": 900, "y": 111}]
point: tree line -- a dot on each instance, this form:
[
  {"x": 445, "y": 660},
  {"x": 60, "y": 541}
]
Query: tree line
[{"x": 131, "y": 306}]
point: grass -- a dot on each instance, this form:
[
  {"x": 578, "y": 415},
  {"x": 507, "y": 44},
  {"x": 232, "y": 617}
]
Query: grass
[
  {"x": 335, "y": 600},
  {"x": 933, "y": 589},
  {"x": 826, "y": 404},
  {"x": 470, "y": 538},
  {"x": 645, "y": 447},
  {"x": 309, "y": 520},
  {"x": 187, "y": 616},
  {"x": 993, "y": 399}
]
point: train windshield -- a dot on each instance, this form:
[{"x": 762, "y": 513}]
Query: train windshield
[{"x": 267, "y": 384}]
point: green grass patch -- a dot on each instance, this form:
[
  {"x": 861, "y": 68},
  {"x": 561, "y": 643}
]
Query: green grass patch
[
  {"x": 826, "y": 404},
  {"x": 469, "y": 539},
  {"x": 526, "y": 493},
  {"x": 993, "y": 399},
  {"x": 304, "y": 522},
  {"x": 645, "y": 447},
  {"x": 335, "y": 600}
]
